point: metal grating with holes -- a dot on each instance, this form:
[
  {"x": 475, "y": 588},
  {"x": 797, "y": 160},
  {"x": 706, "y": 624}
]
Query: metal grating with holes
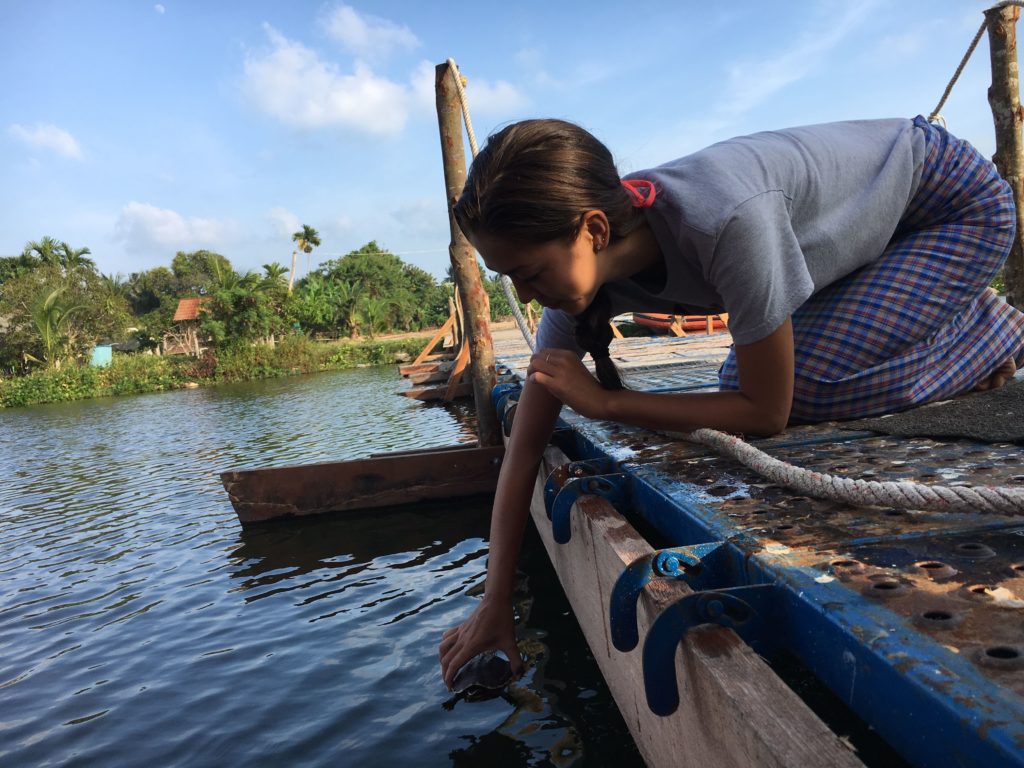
[{"x": 915, "y": 620}]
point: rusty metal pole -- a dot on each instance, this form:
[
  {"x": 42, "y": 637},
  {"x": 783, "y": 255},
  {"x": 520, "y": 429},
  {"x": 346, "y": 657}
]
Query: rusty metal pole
[
  {"x": 464, "y": 264},
  {"x": 1004, "y": 99}
]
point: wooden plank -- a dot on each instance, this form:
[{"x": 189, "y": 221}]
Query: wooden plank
[
  {"x": 381, "y": 481},
  {"x": 436, "y": 338},
  {"x": 455, "y": 377},
  {"x": 429, "y": 377},
  {"x": 435, "y": 365},
  {"x": 440, "y": 392},
  {"x": 734, "y": 711}
]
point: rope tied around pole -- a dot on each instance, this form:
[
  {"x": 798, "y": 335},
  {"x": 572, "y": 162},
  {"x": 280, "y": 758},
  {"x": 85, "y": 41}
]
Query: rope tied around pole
[
  {"x": 506, "y": 283},
  {"x": 901, "y": 495},
  {"x": 935, "y": 117}
]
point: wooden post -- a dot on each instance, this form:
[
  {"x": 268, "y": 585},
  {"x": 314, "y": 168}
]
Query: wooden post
[
  {"x": 464, "y": 264},
  {"x": 1004, "y": 99}
]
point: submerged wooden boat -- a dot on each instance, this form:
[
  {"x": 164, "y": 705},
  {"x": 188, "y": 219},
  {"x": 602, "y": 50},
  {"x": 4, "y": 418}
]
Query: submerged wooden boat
[{"x": 382, "y": 480}]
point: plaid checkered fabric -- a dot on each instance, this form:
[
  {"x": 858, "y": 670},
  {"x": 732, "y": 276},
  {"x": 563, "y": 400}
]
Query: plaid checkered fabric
[{"x": 917, "y": 324}]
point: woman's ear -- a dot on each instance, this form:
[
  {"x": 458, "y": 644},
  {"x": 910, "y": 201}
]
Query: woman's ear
[{"x": 595, "y": 225}]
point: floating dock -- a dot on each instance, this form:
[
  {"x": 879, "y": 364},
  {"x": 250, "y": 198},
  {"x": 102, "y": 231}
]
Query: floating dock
[{"x": 691, "y": 575}]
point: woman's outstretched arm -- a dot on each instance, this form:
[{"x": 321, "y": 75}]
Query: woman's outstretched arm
[
  {"x": 491, "y": 624},
  {"x": 761, "y": 405}
]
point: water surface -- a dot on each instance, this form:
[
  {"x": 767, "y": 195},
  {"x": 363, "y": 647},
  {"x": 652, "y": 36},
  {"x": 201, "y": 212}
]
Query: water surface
[{"x": 141, "y": 625}]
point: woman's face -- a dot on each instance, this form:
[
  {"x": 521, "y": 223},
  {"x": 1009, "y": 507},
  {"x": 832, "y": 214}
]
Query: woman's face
[{"x": 557, "y": 274}]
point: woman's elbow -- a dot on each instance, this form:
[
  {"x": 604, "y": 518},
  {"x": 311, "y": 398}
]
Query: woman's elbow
[{"x": 770, "y": 421}]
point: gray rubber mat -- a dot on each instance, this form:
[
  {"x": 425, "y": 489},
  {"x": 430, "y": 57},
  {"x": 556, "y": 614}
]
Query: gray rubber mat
[{"x": 995, "y": 416}]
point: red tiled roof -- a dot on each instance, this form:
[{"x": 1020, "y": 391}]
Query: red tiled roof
[{"x": 188, "y": 309}]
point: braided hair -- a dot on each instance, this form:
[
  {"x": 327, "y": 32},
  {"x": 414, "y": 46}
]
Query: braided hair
[{"x": 531, "y": 184}]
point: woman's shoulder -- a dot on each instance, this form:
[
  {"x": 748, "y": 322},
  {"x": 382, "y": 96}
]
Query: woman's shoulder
[{"x": 708, "y": 185}]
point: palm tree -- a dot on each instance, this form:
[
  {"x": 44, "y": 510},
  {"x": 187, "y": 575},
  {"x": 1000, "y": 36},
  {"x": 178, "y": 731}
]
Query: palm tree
[
  {"x": 306, "y": 240},
  {"x": 73, "y": 258},
  {"x": 51, "y": 319},
  {"x": 115, "y": 284},
  {"x": 46, "y": 250},
  {"x": 375, "y": 310},
  {"x": 349, "y": 305},
  {"x": 274, "y": 273}
]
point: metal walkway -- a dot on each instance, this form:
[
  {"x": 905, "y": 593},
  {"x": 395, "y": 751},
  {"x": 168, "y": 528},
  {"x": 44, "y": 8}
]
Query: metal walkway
[{"x": 915, "y": 620}]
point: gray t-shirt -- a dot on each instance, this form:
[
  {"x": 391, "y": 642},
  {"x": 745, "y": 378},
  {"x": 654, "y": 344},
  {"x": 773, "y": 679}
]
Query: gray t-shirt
[{"x": 755, "y": 225}]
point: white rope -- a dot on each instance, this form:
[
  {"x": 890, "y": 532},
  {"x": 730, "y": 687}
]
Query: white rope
[
  {"x": 935, "y": 117},
  {"x": 506, "y": 283},
  {"x": 902, "y": 495}
]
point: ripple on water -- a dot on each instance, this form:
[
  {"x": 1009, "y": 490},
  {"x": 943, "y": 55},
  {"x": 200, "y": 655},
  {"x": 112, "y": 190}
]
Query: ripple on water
[{"x": 139, "y": 624}]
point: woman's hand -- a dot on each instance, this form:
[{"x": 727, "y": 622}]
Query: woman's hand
[
  {"x": 563, "y": 374},
  {"x": 491, "y": 626}
]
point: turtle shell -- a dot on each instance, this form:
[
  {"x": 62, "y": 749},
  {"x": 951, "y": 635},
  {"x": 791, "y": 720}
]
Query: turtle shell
[{"x": 482, "y": 677}]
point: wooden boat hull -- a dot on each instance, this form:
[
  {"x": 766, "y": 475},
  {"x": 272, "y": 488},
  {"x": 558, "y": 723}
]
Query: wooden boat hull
[{"x": 379, "y": 481}]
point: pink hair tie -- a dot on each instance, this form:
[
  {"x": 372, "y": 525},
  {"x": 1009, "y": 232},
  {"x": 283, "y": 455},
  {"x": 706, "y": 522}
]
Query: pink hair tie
[{"x": 640, "y": 199}]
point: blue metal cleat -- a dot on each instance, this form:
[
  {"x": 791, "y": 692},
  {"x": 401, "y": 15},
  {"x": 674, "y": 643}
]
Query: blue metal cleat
[
  {"x": 565, "y": 485},
  {"x": 674, "y": 563},
  {"x": 560, "y": 476},
  {"x": 743, "y": 609}
]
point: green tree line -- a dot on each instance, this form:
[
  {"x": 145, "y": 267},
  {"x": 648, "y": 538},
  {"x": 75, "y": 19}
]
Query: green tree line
[{"x": 55, "y": 306}]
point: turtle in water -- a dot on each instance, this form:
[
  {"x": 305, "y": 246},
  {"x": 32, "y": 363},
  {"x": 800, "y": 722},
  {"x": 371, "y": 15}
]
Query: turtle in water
[{"x": 482, "y": 677}]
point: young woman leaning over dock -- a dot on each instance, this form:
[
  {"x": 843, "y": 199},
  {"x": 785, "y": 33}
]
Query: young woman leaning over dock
[{"x": 853, "y": 259}]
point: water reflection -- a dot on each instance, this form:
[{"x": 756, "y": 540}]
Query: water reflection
[{"x": 139, "y": 624}]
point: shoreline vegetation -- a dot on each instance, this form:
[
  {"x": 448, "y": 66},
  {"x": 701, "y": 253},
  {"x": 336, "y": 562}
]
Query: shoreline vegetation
[
  {"x": 201, "y": 322},
  {"x": 137, "y": 374}
]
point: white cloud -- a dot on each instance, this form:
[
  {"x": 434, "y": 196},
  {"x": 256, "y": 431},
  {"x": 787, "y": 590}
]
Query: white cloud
[
  {"x": 368, "y": 37},
  {"x": 159, "y": 9},
  {"x": 286, "y": 223},
  {"x": 421, "y": 83},
  {"x": 141, "y": 226},
  {"x": 48, "y": 137},
  {"x": 751, "y": 83},
  {"x": 500, "y": 97},
  {"x": 486, "y": 98},
  {"x": 293, "y": 84}
]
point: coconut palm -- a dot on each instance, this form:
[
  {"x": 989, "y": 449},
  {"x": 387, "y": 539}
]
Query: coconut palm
[
  {"x": 46, "y": 249},
  {"x": 51, "y": 319},
  {"x": 306, "y": 240},
  {"x": 73, "y": 258},
  {"x": 274, "y": 273}
]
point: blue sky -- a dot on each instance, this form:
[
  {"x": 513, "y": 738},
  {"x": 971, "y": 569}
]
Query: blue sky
[{"x": 140, "y": 129}]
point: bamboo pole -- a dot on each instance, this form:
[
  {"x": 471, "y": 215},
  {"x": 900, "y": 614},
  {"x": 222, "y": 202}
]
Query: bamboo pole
[
  {"x": 464, "y": 264},
  {"x": 1004, "y": 99}
]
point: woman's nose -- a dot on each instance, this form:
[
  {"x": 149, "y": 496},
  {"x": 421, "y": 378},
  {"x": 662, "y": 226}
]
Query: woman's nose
[{"x": 523, "y": 291}]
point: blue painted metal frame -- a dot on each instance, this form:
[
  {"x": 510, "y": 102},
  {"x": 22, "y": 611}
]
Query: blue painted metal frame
[
  {"x": 747, "y": 610},
  {"x": 685, "y": 563},
  {"x": 928, "y": 702}
]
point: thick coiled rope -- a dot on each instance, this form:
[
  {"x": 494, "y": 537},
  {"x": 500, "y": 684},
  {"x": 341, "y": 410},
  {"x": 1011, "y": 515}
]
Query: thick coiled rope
[{"x": 901, "y": 495}]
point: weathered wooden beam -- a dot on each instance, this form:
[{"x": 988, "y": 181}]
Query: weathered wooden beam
[
  {"x": 436, "y": 338},
  {"x": 464, "y": 264},
  {"x": 1004, "y": 99},
  {"x": 430, "y": 377},
  {"x": 439, "y": 392},
  {"x": 733, "y": 711},
  {"x": 441, "y": 367},
  {"x": 380, "y": 481}
]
